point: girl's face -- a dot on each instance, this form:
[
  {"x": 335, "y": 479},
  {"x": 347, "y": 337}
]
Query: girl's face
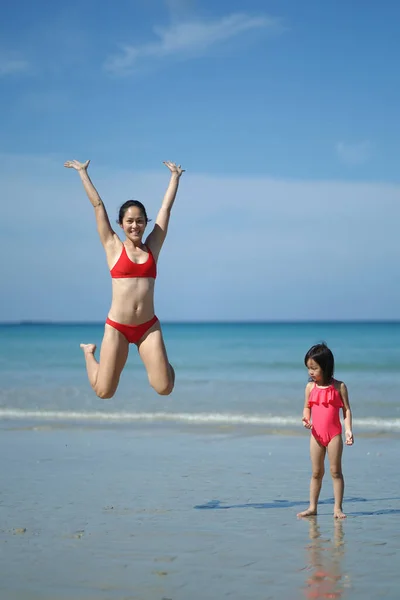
[
  {"x": 134, "y": 223},
  {"x": 315, "y": 371}
]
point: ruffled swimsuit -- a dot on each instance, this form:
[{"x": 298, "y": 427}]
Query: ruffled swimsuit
[{"x": 325, "y": 405}]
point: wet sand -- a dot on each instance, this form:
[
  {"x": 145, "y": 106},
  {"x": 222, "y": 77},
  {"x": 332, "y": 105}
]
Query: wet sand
[{"x": 161, "y": 513}]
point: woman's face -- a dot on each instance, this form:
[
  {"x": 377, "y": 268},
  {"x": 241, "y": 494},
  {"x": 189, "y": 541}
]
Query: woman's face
[{"x": 134, "y": 223}]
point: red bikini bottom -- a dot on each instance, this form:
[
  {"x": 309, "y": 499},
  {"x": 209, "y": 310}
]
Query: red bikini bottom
[{"x": 133, "y": 333}]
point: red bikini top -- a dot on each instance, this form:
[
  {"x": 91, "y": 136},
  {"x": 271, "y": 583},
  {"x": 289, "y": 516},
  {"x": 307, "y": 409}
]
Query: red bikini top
[{"x": 126, "y": 268}]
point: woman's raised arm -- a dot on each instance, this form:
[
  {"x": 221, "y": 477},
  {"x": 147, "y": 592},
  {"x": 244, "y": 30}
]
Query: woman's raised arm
[
  {"x": 156, "y": 238},
  {"x": 106, "y": 232}
]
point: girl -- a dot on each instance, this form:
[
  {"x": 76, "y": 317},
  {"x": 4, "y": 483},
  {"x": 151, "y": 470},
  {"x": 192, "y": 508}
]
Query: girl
[
  {"x": 132, "y": 264},
  {"x": 324, "y": 397}
]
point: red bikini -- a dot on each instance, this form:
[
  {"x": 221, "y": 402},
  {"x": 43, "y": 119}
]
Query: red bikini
[
  {"x": 133, "y": 333},
  {"x": 325, "y": 404},
  {"x": 125, "y": 268}
]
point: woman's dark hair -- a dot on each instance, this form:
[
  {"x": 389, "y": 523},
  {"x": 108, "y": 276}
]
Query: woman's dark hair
[
  {"x": 127, "y": 205},
  {"x": 324, "y": 358}
]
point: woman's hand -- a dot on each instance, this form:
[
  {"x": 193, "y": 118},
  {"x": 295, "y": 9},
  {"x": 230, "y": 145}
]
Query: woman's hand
[
  {"x": 75, "y": 164},
  {"x": 306, "y": 423},
  {"x": 349, "y": 438},
  {"x": 175, "y": 169}
]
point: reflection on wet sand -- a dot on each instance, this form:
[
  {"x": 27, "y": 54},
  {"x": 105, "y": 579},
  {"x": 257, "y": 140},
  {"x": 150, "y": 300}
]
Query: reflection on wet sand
[{"x": 325, "y": 556}]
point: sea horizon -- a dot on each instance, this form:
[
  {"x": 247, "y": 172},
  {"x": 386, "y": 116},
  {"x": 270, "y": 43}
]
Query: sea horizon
[{"x": 217, "y": 322}]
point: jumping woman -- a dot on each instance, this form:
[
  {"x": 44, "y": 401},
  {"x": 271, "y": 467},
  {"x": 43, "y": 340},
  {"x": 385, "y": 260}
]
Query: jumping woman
[{"x": 133, "y": 269}]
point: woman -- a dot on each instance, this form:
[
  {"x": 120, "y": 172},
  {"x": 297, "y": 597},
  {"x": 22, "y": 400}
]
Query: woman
[{"x": 132, "y": 264}]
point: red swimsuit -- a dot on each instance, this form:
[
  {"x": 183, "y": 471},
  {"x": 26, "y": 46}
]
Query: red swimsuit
[
  {"x": 125, "y": 268},
  {"x": 325, "y": 404}
]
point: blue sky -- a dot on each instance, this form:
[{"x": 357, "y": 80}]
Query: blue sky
[{"x": 284, "y": 113}]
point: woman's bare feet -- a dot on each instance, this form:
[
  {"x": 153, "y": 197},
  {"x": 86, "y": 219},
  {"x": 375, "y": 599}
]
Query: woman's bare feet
[
  {"x": 88, "y": 348},
  {"x": 310, "y": 512},
  {"x": 338, "y": 513}
]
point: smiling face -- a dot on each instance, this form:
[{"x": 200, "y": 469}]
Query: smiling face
[
  {"x": 315, "y": 371},
  {"x": 134, "y": 223}
]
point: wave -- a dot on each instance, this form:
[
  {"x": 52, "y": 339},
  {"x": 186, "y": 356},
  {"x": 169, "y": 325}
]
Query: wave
[{"x": 373, "y": 423}]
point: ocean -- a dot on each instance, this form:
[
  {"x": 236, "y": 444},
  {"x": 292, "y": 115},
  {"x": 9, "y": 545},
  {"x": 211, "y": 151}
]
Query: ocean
[
  {"x": 145, "y": 496},
  {"x": 227, "y": 375}
]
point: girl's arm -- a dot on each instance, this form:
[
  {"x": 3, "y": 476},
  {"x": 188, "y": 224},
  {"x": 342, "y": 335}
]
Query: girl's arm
[
  {"x": 307, "y": 410},
  {"x": 106, "y": 233},
  {"x": 156, "y": 238},
  {"x": 348, "y": 423}
]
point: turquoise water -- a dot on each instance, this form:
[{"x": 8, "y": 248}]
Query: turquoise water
[{"x": 237, "y": 373}]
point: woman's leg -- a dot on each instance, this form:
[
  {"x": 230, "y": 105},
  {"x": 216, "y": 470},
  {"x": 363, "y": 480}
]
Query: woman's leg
[
  {"x": 317, "y": 453},
  {"x": 104, "y": 375},
  {"x": 335, "y": 450},
  {"x": 154, "y": 356}
]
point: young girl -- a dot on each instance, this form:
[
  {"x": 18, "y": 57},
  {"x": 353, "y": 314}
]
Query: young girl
[
  {"x": 324, "y": 398},
  {"x": 133, "y": 270}
]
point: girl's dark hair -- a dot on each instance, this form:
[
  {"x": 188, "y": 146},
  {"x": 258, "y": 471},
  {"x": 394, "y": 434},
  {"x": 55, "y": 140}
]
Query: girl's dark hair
[
  {"x": 127, "y": 205},
  {"x": 324, "y": 358}
]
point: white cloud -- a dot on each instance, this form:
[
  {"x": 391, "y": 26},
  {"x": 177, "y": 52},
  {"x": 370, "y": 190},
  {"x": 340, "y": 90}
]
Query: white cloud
[
  {"x": 10, "y": 63},
  {"x": 354, "y": 154},
  {"x": 238, "y": 247},
  {"x": 184, "y": 39}
]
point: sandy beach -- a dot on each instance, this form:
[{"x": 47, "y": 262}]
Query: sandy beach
[{"x": 162, "y": 513}]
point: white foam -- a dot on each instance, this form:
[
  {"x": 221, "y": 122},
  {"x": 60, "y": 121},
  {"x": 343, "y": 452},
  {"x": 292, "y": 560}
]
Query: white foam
[{"x": 188, "y": 418}]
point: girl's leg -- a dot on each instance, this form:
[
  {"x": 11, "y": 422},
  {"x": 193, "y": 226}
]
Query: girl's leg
[
  {"x": 317, "y": 453},
  {"x": 335, "y": 450},
  {"x": 104, "y": 375},
  {"x": 154, "y": 356}
]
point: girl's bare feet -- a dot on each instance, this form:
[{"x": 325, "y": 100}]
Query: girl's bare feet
[
  {"x": 88, "y": 348},
  {"x": 310, "y": 512},
  {"x": 339, "y": 514}
]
